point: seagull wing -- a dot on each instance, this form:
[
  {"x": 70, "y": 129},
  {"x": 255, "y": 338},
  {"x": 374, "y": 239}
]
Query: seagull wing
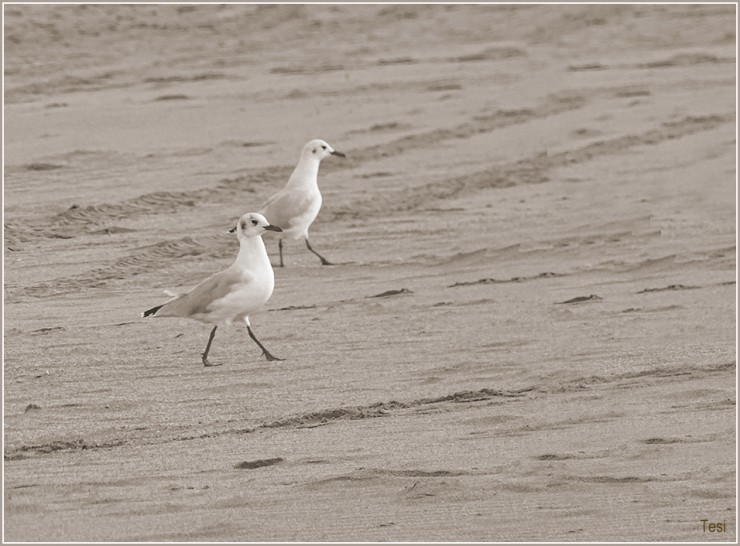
[
  {"x": 287, "y": 206},
  {"x": 198, "y": 300}
]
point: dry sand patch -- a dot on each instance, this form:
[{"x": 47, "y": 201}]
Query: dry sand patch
[{"x": 530, "y": 335}]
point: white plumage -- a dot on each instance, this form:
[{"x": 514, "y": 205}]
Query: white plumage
[
  {"x": 295, "y": 207},
  {"x": 232, "y": 294}
]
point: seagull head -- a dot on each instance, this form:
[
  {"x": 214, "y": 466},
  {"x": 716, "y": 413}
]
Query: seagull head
[
  {"x": 319, "y": 149},
  {"x": 252, "y": 224}
]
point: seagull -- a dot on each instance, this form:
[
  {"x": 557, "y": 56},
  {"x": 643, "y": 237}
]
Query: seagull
[
  {"x": 234, "y": 293},
  {"x": 296, "y": 206}
]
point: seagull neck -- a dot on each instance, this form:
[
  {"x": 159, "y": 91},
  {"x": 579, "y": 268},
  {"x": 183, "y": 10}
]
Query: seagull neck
[
  {"x": 306, "y": 171},
  {"x": 251, "y": 250}
]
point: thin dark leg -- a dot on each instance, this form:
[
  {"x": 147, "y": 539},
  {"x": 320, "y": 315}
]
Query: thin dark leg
[
  {"x": 208, "y": 348},
  {"x": 280, "y": 247},
  {"x": 264, "y": 351},
  {"x": 324, "y": 261}
]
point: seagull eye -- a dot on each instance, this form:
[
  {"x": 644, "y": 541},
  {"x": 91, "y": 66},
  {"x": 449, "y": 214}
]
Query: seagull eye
[
  {"x": 323, "y": 147},
  {"x": 254, "y": 222}
]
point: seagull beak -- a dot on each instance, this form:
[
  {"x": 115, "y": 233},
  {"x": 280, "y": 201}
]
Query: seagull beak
[
  {"x": 335, "y": 152},
  {"x": 232, "y": 230},
  {"x": 273, "y": 228}
]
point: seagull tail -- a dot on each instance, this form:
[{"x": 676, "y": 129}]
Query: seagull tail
[{"x": 152, "y": 311}]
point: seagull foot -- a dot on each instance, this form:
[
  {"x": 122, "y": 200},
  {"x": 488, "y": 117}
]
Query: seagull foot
[
  {"x": 208, "y": 364},
  {"x": 271, "y": 358}
]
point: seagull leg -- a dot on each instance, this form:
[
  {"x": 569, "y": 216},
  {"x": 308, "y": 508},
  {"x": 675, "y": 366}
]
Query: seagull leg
[
  {"x": 264, "y": 351},
  {"x": 208, "y": 348},
  {"x": 280, "y": 247},
  {"x": 324, "y": 261}
]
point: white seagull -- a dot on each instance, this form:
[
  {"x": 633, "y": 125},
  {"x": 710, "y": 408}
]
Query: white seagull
[
  {"x": 295, "y": 207},
  {"x": 234, "y": 293}
]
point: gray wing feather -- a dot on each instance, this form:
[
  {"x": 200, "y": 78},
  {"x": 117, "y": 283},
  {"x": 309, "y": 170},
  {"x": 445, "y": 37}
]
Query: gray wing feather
[
  {"x": 285, "y": 205},
  {"x": 199, "y": 298}
]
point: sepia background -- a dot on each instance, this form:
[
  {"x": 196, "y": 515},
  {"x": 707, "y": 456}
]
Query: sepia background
[{"x": 530, "y": 334}]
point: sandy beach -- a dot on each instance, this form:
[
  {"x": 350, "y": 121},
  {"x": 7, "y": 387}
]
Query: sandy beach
[{"x": 529, "y": 334}]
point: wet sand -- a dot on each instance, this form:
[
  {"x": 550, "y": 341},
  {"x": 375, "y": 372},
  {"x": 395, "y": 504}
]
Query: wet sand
[{"x": 530, "y": 332}]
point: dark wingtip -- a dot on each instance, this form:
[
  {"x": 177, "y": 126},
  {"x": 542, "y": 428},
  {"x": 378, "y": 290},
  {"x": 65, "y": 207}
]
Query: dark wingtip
[{"x": 152, "y": 311}]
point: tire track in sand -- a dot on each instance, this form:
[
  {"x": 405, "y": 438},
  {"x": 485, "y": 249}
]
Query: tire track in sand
[
  {"x": 531, "y": 170},
  {"x": 143, "y": 261},
  {"x": 76, "y": 221},
  {"x": 453, "y": 402}
]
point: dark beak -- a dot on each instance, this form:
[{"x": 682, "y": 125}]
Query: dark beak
[
  {"x": 340, "y": 154},
  {"x": 232, "y": 230},
  {"x": 273, "y": 228}
]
